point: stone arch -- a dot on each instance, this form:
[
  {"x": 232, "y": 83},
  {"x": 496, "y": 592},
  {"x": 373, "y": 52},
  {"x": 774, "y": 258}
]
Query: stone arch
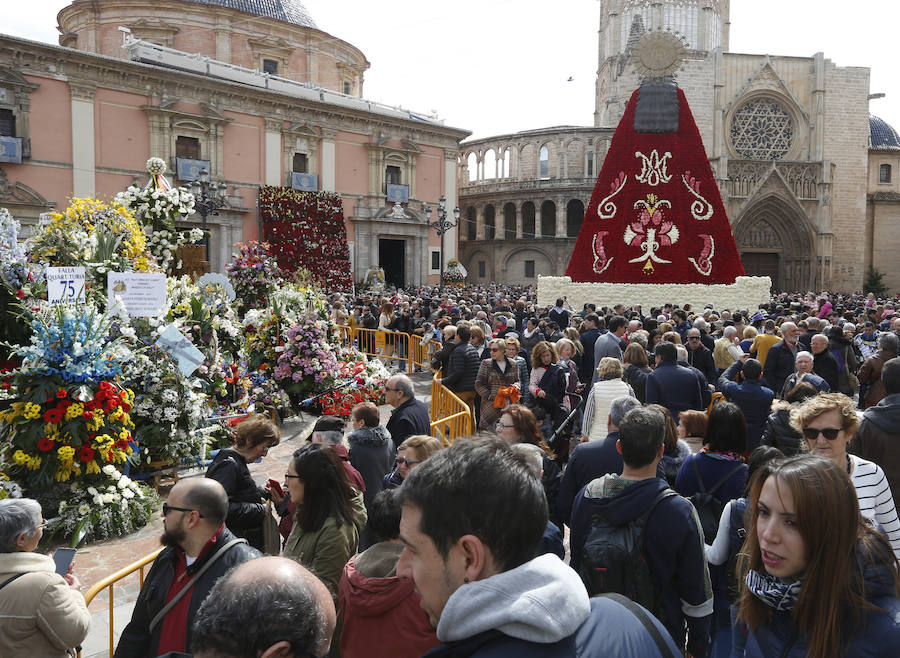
[
  {"x": 544, "y": 155},
  {"x": 574, "y": 217},
  {"x": 574, "y": 150},
  {"x": 489, "y": 164},
  {"x": 490, "y": 216},
  {"x": 775, "y": 238},
  {"x": 528, "y": 220},
  {"x": 472, "y": 165},
  {"x": 480, "y": 255},
  {"x": 513, "y": 268},
  {"x": 548, "y": 219},
  {"x": 471, "y": 219}
]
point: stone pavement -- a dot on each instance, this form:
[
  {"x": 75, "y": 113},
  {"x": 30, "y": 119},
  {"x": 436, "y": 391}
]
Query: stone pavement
[{"x": 98, "y": 560}]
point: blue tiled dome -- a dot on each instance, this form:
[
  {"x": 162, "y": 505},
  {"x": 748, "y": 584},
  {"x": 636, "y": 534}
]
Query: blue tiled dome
[
  {"x": 882, "y": 135},
  {"x": 290, "y": 11}
]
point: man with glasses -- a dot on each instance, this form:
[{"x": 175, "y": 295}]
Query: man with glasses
[
  {"x": 410, "y": 416},
  {"x": 698, "y": 356},
  {"x": 199, "y": 550}
]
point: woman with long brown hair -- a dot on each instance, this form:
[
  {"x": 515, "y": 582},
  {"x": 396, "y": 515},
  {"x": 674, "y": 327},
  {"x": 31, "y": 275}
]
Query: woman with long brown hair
[{"x": 818, "y": 580}]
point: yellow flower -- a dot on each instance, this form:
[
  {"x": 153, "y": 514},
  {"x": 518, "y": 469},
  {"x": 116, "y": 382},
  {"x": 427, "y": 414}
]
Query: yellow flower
[
  {"x": 65, "y": 452},
  {"x": 34, "y": 463},
  {"x": 20, "y": 457},
  {"x": 74, "y": 411},
  {"x": 92, "y": 467},
  {"x": 32, "y": 410},
  {"x": 124, "y": 435}
]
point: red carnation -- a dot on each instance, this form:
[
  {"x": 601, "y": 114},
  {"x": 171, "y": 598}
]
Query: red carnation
[
  {"x": 87, "y": 415},
  {"x": 20, "y": 293},
  {"x": 45, "y": 445},
  {"x": 126, "y": 407},
  {"x": 61, "y": 393},
  {"x": 53, "y": 416},
  {"x": 85, "y": 453}
]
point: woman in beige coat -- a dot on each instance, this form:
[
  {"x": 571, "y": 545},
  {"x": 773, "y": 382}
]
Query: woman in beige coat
[{"x": 41, "y": 613}]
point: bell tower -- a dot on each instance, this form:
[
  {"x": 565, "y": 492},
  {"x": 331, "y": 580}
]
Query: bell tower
[{"x": 702, "y": 25}]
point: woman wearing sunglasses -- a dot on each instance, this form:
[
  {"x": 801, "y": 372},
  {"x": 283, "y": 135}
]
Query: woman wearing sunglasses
[
  {"x": 828, "y": 422},
  {"x": 412, "y": 452},
  {"x": 817, "y": 580}
]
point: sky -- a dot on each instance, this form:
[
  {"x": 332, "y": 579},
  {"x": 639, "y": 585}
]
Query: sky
[{"x": 502, "y": 66}]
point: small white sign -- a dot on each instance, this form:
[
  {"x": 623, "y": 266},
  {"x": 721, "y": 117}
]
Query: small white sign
[
  {"x": 65, "y": 285},
  {"x": 144, "y": 295},
  {"x": 182, "y": 350}
]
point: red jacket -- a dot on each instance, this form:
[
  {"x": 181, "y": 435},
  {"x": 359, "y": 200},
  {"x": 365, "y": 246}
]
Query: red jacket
[{"x": 382, "y": 616}]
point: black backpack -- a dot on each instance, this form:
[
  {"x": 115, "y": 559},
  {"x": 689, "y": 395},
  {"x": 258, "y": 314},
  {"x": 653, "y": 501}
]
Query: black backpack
[
  {"x": 612, "y": 559},
  {"x": 709, "y": 508}
]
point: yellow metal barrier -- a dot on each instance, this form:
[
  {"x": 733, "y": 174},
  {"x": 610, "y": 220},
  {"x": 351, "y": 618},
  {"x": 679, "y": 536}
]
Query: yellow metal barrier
[
  {"x": 450, "y": 416},
  {"x": 109, "y": 581},
  {"x": 390, "y": 346}
]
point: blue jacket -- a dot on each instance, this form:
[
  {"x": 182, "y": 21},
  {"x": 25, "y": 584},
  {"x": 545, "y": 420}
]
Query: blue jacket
[
  {"x": 675, "y": 388},
  {"x": 878, "y": 637},
  {"x": 779, "y": 365},
  {"x": 613, "y": 630},
  {"x": 494, "y": 644},
  {"x": 713, "y": 468},
  {"x": 754, "y": 399},
  {"x": 673, "y": 549}
]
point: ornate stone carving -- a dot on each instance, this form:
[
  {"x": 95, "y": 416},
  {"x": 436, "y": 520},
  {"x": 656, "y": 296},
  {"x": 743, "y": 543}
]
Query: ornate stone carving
[
  {"x": 19, "y": 192},
  {"x": 760, "y": 236},
  {"x": 762, "y": 129},
  {"x": 82, "y": 92}
]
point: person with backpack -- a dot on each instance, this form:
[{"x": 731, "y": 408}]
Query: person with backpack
[
  {"x": 632, "y": 535},
  {"x": 725, "y": 550}
]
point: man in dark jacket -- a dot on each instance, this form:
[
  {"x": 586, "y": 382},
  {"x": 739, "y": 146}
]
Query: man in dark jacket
[
  {"x": 410, "y": 416},
  {"x": 742, "y": 384},
  {"x": 824, "y": 363},
  {"x": 589, "y": 335},
  {"x": 593, "y": 459},
  {"x": 193, "y": 529},
  {"x": 674, "y": 387},
  {"x": 672, "y": 537},
  {"x": 878, "y": 436},
  {"x": 812, "y": 328},
  {"x": 462, "y": 368},
  {"x": 609, "y": 344},
  {"x": 870, "y": 372},
  {"x": 698, "y": 356},
  {"x": 780, "y": 359}
]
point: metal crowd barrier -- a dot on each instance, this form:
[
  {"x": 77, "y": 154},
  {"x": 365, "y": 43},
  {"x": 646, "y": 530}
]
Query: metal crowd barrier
[
  {"x": 391, "y": 346},
  {"x": 450, "y": 416},
  {"x": 109, "y": 582}
]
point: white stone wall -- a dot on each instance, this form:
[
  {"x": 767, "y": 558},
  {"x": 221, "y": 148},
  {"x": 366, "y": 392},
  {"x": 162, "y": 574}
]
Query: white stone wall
[{"x": 747, "y": 292}]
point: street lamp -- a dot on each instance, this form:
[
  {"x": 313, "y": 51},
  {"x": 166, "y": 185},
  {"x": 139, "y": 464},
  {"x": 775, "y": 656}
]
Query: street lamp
[
  {"x": 208, "y": 198},
  {"x": 442, "y": 225}
]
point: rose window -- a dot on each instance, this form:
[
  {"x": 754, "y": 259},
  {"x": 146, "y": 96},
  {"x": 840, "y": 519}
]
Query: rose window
[{"x": 762, "y": 130}]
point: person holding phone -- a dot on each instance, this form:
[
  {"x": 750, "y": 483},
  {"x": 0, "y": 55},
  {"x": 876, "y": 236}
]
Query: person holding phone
[
  {"x": 246, "y": 510},
  {"x": 42, "y": 613}
]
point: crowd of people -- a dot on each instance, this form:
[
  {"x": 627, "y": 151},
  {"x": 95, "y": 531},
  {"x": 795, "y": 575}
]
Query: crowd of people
[{"x": 727, "y": 478}]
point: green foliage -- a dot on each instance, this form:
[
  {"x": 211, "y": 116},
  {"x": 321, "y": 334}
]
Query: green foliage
[{"x": 874, "y": 282}]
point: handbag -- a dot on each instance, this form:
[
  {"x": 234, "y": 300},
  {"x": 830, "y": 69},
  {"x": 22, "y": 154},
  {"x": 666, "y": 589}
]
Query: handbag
[{"x": 271, "y": 533}]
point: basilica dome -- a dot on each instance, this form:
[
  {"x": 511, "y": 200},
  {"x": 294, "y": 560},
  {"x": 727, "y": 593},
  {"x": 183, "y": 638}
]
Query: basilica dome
[
  {"x": 882, "y": 135},
  {"x": 289, "y": 11}
]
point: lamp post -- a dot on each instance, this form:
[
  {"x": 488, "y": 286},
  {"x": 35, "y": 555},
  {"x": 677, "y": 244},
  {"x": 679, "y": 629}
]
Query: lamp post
[
  {"x": 208, "y": 198},
  {"x": 442, "y": 225}
]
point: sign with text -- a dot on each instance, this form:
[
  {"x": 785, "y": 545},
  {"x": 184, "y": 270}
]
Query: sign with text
[
  {"x": 397, "y": 193},
  {"x": 144, "y": 295},
  {"x": 65, "y": 285},
  {"x": 305, "y": 182},
  {"x": 181, "y": 349}
]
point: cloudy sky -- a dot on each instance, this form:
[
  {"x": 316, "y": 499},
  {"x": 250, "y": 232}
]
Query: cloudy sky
[{"x": 499, "y": 66}]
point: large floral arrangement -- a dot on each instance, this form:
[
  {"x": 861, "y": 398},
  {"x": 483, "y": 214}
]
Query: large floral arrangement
[
  {"x": 254, "y": 274},
  {"x": 90, "y": 232},
  {"x": 308, "y": 364},
  {"x": 69, "y": 419},
  {"x": 307, "y": 228},
  {"x": 455, "y": 272},
  {"x": 17, "y": 279},
  {"x": 111, "y": 505},
  {"x": 368, "y": 377},
  {"x": 168, "y": 407}
]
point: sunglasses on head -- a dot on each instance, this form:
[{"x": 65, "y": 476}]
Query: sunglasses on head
[{"x": 812, "y": 433}]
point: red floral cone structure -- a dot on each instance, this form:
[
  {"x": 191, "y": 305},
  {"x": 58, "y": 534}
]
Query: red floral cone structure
[{"x": 656, "y": 215}]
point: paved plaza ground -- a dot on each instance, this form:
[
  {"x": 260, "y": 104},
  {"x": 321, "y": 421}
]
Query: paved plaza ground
[{"x": 96, "y": 561}]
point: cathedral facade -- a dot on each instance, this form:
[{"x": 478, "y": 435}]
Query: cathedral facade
[
  {"x": 807, "y": 177},
  {"x": 252, "y": 91}
]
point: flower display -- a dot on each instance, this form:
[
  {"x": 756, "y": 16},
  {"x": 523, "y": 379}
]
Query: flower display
[
  {"x": 308, "y": 364},
  {"x": 15, "y": 270},
  {"x": 455, "y": 272},
  {"x": 369, "y": 377},
  {"x": 254, "y": 274},
  {"x": 307, "y": 228},
  {"x": 110, "y": 505}
]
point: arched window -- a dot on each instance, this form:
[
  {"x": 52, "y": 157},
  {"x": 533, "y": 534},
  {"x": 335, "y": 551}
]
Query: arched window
[
  {"x": 489, "y": 224},
  {"x": 471, "y": 224},
  {"x": 507, "y": 155},
  {"x": 590, "y": 164},
  {"x": 548, "y": 219},
  {"x": 490, "y": 164},
  {"x": 574, "y": 217},
  {"x": 544, "y": 163},
  {"x": 472, "y": 165},
  {"x": 509, "y": 221},
  {"x": 528, "y": 219}
]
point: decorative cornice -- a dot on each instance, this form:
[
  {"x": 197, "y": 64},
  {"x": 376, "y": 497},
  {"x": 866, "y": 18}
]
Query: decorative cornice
[
  {"x": 273, "y": 125},
  {"x": 266, "y": 44},
  {"x": 82, "y": 92}
]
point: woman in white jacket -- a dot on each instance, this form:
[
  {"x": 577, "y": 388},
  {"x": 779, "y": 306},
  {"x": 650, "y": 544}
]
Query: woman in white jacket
[{"x": 596, "y": 408}]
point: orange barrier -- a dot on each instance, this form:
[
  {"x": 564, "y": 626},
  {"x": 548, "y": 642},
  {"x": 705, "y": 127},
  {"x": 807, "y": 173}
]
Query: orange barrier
[
  {"x": 450, "y": 416},
  {"x": 109, "y": 581}
]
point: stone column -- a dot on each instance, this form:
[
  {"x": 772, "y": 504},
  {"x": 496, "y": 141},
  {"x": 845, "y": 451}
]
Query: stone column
[
  {"x": 83, "y": 157},
  {"x": 519, "y": 221},
  {"x": 560, "y": 216},
  {"x": 328, "y": 161},
  {"x": 451, "y": 237},
  {"x": 273, "y": 152}
]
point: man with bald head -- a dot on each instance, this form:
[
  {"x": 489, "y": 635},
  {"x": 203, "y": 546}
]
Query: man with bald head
[
  {"x": 824, "y": 363},
  {"x": 780, "y": 359},
  {"x": 270, "y": 607},
  {"x": 199, "y": 550}
]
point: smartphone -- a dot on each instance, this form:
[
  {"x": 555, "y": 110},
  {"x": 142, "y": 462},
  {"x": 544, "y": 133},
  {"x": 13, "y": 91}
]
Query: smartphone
[
  {"x": 276, "y": 487},
  {"x": 63, "y": 558}
]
